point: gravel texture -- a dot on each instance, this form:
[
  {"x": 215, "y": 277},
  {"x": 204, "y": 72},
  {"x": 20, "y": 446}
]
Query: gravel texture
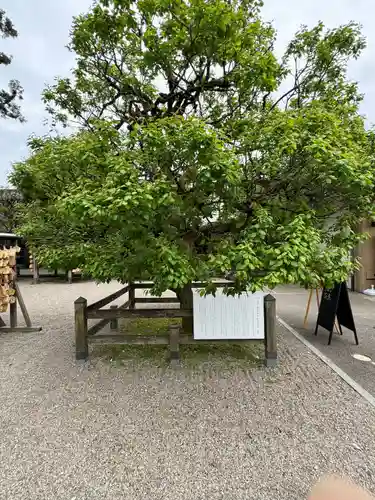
[{"x": 98, "y": 431}]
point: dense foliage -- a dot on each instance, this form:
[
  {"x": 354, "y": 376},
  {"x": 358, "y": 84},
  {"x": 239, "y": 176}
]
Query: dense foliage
[
  {"x": 10, "y": 201},
  {"x": 9, "y": 108},
  {"x": 190, "y": 161}
]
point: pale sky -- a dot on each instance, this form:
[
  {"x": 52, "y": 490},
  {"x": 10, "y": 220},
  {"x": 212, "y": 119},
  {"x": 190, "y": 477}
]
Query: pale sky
[{"x": 39, "y": 54}]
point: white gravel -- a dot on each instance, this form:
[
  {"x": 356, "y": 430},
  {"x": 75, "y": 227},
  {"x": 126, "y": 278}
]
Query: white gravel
[{"x": 70, "y": 431}]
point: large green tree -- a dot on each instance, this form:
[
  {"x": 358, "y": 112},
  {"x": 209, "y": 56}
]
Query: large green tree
[
  {"x": 9, "y": 206},
  {"x": 190, "y": 162},
  {"x": 9, "y": 107}
]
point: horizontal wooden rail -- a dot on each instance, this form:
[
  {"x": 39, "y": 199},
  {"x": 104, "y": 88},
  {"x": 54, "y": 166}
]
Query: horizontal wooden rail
[
  {"x": 157, "y": 300},
  {"x": 139, "y": 313},
  {"x": 130, "y": 339},
  {"x": 20, "y": 329},
  {"x": 142, "y": 286},
  {"x": 159, "y": 340},
  {"x": 197, "y": 284},
  {"x": 110, "y": 298},
  {"x": 93, "y": 330},
  {"x": 97, "y": 327}
]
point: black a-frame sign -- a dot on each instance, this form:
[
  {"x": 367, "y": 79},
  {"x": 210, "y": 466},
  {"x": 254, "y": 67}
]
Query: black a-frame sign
[{"x": 335, "y": 303}]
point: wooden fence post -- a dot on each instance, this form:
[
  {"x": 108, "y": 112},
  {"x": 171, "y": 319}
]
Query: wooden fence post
[
  {"x": 80, "y": 314},
  {"x": 113, "y": 324},
  {"x": 131, "y": 295},
  {"x": 174, "y": 344},
  {"x": 270, "y": 342},
  {"x": 13, "y": 321},
  {"x": 13, "y": 314}
]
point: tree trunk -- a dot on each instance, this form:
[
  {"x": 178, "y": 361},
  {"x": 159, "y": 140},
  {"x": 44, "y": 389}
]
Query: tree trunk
[{"x": 185, "y": 296}]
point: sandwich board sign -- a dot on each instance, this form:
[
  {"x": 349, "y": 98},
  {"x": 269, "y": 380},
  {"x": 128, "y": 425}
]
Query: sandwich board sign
[{"x": 335, "y": 303}]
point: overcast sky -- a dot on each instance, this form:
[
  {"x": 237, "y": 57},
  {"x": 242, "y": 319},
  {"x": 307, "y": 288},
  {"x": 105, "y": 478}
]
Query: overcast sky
[{"x": 39, "y": 53}]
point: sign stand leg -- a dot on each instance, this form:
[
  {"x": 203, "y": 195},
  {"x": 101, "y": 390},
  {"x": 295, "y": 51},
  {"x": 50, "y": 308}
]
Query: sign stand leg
[
  {"x": 330, "y": 337},
  {"x": 317, "y": 297},
  {"x": 356, "y": 337},
  {"x": 307, "y": 308},
  {"x": 318, "y": 302},
  {"x": 338, "y": 327}
]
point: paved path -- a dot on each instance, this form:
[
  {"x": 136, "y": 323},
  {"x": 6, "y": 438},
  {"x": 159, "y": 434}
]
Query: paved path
[
  {"x": 291, "y": 306},
  {"x": 107, "y": 432}
]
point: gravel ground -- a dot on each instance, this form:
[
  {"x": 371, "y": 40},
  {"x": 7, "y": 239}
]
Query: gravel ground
[{"x": 72, "y": 431}]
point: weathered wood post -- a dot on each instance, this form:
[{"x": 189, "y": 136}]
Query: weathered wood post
[
  {"x": 13, "y": 314},
  {"x": 131, "y": 295},
  {"x": 113, "y": 324},
  {"x": 80, "y": 317},
  {"x": 174, "y": 344},
  {"x": 69, "y": 276},
  {"x": 22, "y": 305},
  {"x": 270, "y": 342}
]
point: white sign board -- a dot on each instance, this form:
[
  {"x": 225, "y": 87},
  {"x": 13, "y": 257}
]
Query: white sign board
[{"x": 228, "y": 318}]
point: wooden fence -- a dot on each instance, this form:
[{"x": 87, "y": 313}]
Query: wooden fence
[{"x": 85, "y": 335}]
